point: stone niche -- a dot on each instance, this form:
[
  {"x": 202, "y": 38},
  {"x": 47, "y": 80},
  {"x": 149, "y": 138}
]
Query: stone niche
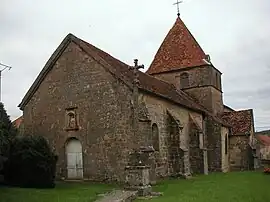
[{"x": 71, "y": 119}]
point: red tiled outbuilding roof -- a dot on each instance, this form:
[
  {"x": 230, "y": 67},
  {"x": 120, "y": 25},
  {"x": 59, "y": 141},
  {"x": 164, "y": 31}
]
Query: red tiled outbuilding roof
[
  {"x": 17, "y": 122},
  {"x": 178, "y": 50},
  {"x": 263, "y": 139},
  {"x": 241, "y": 121}
]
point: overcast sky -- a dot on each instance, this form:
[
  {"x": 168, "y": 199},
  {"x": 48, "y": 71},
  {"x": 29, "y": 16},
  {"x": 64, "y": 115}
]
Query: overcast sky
[{"x": 236, "y": 34}]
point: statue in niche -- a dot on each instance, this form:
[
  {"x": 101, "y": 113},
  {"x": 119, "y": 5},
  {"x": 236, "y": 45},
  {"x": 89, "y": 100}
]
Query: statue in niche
[{"x": 71, "y": 122}]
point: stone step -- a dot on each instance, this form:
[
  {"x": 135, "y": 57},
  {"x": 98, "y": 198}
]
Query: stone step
[{"x": 119, "y": 196}]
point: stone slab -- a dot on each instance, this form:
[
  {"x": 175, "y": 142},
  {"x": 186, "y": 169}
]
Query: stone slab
[{"x": 119, "y": 196}]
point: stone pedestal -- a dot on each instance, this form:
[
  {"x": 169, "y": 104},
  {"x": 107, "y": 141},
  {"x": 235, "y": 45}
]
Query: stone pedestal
[
  {"x": 138, "y": 178},
  {"x": 150, "y": 160}
]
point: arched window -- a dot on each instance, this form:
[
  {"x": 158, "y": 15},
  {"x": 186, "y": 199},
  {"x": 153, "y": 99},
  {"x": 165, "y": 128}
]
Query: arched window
[
  {"x": 226, "y": 144},
  {"x": 155, "y": 137},
  {"x": 184, "y": 80}
]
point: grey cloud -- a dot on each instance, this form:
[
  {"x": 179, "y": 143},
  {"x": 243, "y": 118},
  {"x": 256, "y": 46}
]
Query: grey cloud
[{"x": 235, "y": 34}]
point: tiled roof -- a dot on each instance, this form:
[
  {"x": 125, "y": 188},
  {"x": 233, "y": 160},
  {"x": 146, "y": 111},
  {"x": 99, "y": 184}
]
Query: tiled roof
[
  {"x": 241, "y": 121},
  {"x": 147, "y": 83},
  {"x": 263, "y": 139},
  {"x": 18, "y": 122},
  {"x": 178, "y": 50},
  {"x": 123, "y": 72}
]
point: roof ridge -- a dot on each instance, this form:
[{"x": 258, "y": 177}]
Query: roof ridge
[{"x": 242, "y": 110}]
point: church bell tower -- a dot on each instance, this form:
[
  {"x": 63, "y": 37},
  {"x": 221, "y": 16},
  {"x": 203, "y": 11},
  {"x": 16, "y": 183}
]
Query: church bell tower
[{"x": 181, "y": 61}]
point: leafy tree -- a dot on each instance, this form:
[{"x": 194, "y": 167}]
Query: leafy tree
[{"x": 7, "y": 131}]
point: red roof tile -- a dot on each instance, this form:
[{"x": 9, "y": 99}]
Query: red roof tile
[
  {"x": 241, "y": 121},
  {"x": 178, "y": 50},
  {"x": 263, "y": 139},
  {"x": 18, "y": 122}
]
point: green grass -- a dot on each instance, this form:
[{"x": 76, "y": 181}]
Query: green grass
[
  {"x": 64, "y": 192},
  {"x": 218, "y": 187}
]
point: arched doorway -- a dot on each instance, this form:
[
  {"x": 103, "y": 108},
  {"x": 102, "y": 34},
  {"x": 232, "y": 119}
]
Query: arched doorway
[{"x": 74, "y": 159}]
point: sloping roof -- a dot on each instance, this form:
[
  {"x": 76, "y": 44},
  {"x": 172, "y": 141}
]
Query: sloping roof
[
  {"x": 17, "y": 122},
  {"x": 178, "y": 50},
  {"x": 228, "y": 108},
  {"x": 263, "y": 139},
  {"x": 264, "y": 132},
  {"x": 123, "y": 72},
  {"x": 241, "y": 121}
]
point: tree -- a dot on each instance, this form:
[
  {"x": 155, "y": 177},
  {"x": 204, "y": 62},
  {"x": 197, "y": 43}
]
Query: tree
[{"x": 7, "y": 131}]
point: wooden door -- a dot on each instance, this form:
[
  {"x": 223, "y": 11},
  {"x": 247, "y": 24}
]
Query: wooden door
[{"x": 74, "y": 159}]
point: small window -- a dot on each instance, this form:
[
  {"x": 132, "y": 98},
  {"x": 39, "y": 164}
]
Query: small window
[
  {"x": 184, "y": 80},
  {"x": 155, "y": 137}
]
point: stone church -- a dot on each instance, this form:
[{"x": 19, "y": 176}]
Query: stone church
[{"x": 96, "y": 111}]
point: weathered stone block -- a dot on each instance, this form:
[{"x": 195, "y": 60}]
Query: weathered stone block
[{"x": 137, "y": 178}]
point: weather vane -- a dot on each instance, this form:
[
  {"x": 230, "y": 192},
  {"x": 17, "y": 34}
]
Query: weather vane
[{"x": 178, "y": 8}]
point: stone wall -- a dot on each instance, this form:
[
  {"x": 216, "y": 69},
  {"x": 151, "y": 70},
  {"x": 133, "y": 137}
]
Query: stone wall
[
  {"x": 239, "y": 153},
  {"x": 213, "y": 133},
  {"x": 264, "y": 152},
  {"x": 103, "y": 114},
  {"x": 198, "y": 76},
  {"x": 157, "y": 108},
  {"x": 196, "y": 154},
  {"x": 175, "y": 154},
  {"x": 204, "y": 85}
]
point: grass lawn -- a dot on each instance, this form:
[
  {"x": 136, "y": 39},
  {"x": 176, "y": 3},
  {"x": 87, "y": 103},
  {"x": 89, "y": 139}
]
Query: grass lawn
[
  {"x": 218, "y": 187},
  {"x": 64, "y": 192}
]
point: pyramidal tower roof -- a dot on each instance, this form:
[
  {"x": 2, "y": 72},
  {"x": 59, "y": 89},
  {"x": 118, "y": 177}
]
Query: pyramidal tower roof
[{"x": 178, "y": 50}]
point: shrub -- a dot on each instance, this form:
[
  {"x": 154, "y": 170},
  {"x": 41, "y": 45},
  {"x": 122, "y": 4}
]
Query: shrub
[
  {"x": 7, "y": 133},
  {"x": 31, "y": 163}
]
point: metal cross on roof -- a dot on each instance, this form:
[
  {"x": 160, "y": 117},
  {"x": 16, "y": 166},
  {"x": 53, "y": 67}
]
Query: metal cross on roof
[
  {"x": 178, "y": 8},
  {"x": 136, "y": 66}
]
